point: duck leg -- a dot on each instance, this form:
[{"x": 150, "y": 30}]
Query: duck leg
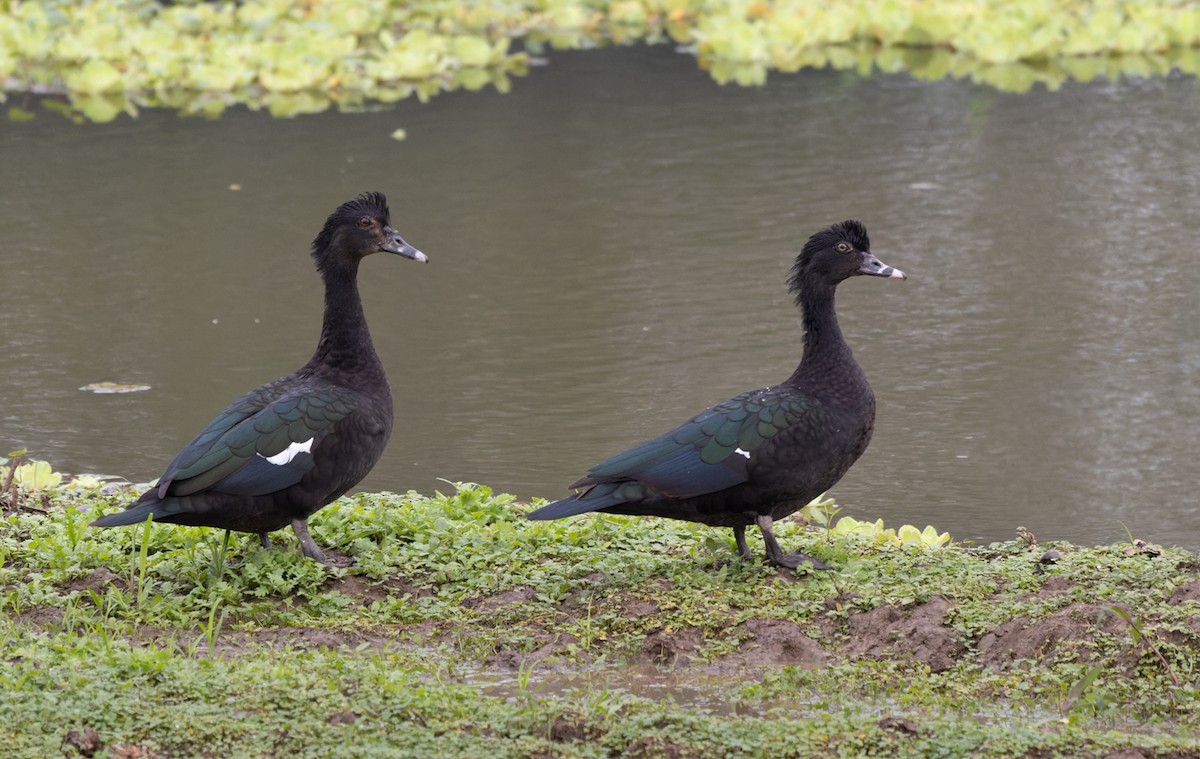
[
  {"x": 307, "y": 544},
  {"x": 739, "y": 534},
  {"x": 775, "y": 554},
  {"x": 266, "y": 541}
]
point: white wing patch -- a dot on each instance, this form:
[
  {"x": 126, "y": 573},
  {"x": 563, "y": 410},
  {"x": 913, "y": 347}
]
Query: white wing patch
[
  {"x": 292, "y": 451},
  {"x": 735, "y": 450}
]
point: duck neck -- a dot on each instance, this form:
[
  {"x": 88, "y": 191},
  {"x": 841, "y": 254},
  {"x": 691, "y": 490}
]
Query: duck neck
[
  {"x": 345, "y": 347},
  {"x": 825, "y": 350}
]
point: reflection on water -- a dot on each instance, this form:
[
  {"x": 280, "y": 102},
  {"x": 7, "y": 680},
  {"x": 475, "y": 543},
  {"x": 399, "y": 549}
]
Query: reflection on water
[{"x": 607, "y": 250}]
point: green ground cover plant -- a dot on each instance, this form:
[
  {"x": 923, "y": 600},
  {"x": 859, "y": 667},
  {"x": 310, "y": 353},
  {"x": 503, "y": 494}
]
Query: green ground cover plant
[
  {"x": 106, "y": 57},
  {"x": 463, "y": 629}
]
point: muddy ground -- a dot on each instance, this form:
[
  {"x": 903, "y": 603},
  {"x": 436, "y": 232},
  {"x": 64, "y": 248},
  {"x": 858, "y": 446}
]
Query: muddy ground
[{"x": 922, "y": 632}]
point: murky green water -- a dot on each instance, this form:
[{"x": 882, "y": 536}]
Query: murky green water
[{"x": 608, "y": 244}]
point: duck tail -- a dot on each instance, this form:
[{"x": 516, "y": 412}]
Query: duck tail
[
  {"x": 592, "y": 499},
  {"x": 135, "y": 514}
]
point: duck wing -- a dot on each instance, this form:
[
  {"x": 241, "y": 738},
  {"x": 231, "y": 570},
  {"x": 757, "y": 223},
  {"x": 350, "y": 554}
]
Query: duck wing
[
  {"x": 712, "y": 451},
  {"x": 262, "y": 443}
]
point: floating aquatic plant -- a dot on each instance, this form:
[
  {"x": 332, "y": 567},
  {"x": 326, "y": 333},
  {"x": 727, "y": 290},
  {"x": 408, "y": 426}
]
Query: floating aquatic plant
[{"x": 109, "y": 57}]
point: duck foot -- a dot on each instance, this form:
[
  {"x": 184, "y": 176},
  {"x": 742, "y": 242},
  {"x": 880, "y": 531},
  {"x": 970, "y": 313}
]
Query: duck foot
[
  {"x": 307, "y": 544},
  {"x": 795, "y": 559},
  {"x": 775, "y": 554}
]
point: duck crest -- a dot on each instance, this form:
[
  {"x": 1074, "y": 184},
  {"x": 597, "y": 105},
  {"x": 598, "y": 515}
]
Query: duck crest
[
  {"x": 799, "y": 279},
  {"x": 331, "y": 250}
]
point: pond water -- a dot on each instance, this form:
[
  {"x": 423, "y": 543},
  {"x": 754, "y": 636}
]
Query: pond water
[{"x": 607, "y": 245}]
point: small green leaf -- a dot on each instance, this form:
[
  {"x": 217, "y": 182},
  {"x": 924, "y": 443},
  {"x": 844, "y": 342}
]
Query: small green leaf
[
  {"x": 94, "y": 77},
  {"x": 36, "y": 476}
]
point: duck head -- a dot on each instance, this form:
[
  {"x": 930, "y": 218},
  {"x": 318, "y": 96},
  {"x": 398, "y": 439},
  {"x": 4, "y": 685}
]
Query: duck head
[
  {"x": 836, "y": 253},
  {"x": 358, "y": 228}
]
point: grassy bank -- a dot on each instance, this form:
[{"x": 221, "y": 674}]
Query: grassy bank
[
  {"x": 293, "y": 56},
  {"x": 464, "y": 630}
]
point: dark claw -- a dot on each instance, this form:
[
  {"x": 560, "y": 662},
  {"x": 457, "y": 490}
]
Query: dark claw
[{"x": 795, "y": 559}]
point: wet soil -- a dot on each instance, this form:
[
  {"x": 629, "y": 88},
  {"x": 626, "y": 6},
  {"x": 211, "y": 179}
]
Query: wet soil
[{"x": 922, "y": 632}]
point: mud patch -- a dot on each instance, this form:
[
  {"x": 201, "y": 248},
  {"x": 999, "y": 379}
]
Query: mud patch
[
  {"x": 85, "y": 740},
  {"x": 366, "y": 591},
  {"x": 776, "y": 642},
  {"x": 638, "y": 607},
  {"x": 518, "y": 595},
  {"x": 670, "y": 649},
  {"x": 96, "y": 581},
  {"x": 568, "y": 728},
  {"x": 1071, "y": 628},
  {"x": 302, "y": 638},
  {"x": 918, "y": 632},
  {"x": 43, "y": 617},
  {"x": 1187, "y": 592},
  {"x": 548, "y": 647}
]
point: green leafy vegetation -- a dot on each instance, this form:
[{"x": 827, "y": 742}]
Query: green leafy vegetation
[
  {"x": 294, "y": 56},
  {"x": 463, "y": 629}
]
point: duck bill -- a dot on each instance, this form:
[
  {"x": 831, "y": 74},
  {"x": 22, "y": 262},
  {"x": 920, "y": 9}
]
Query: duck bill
[
  {"x": 395, "y": 244},
  {"x": 873, "y": 267}
]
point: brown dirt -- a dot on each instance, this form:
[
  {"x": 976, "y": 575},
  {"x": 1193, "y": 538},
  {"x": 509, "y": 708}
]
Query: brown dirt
[
  {"x": 636, "y": 608},
  {"x": 670, "y": 648},
  {"x": 776, "y": 642},
  {"x": 549, "y": 646},
  {"x": 367, "y": 592},
  {"x": 42, "y": 617},
  {"x": 568, "y": 728},
  {"x": 1069, "y": 628},
  {"x": 1187, "y": 592},
  {"x": 96, "y": 581},
  {"x": 508, "y": 597},
  {"x": 232, "y": 642},
  {"x": 918, "y": 632},
  {"x": 900, "y": 725},
  {"x": 85, "y": 740}
]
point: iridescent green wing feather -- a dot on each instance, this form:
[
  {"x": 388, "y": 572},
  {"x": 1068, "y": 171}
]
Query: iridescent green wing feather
[
  {"x": 710, "y": 452},
  {"x": 242, "y": 451}
]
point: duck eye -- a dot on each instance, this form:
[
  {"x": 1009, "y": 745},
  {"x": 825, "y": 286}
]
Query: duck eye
[
  {"x": 842, "y": 247},
  {"x": 365, "y": 222}
]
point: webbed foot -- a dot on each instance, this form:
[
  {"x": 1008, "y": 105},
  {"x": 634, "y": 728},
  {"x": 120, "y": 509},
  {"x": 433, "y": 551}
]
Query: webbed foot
[
  {"x": 795, "y": 559},
  {"x": 775, "y": 554},
  {"x": 307, "y": 544}
]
